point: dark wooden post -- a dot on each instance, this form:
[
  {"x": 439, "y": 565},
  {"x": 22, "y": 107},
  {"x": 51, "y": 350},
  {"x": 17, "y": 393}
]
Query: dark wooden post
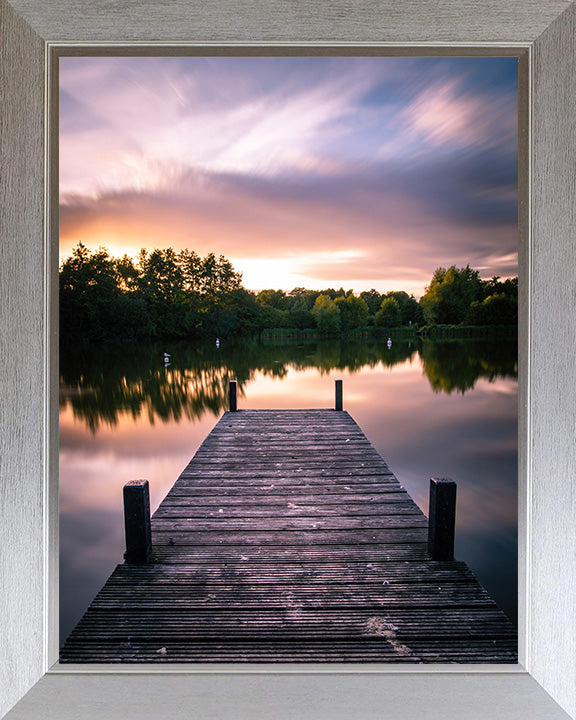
[
  {"x": 338, "y": 384},
  {"x": 441, "y": 519},
  {"x": 137, "y": 522},
  {"x": 233, "y": 403}
]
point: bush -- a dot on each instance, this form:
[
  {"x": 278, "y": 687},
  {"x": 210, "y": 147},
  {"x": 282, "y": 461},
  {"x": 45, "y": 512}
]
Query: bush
[{"x": 389, "y": 314}]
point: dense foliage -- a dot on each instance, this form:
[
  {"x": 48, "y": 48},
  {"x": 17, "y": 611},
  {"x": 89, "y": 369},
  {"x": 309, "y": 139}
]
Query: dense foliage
[
  {"x": 458, "y": 296},
  {"x": 168, "y": 294}
]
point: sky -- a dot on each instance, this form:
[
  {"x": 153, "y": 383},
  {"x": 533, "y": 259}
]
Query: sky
[{"x": 309, "y": 172}]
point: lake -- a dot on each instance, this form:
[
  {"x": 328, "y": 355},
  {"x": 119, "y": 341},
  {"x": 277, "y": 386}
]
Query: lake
[{"x": 430, "y": 408}]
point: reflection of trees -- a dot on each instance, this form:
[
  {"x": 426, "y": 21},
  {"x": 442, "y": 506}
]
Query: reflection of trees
[
  {"x": 335, "y": 354},
  {"x": 100, "y": 386},
  {"x": 131, "y": 378},
  {"x": 457, "y": 364}
]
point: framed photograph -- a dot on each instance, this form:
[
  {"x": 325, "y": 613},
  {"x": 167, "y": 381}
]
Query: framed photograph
[
  {"x": 360, "y": 192},
  {"x": 542, "y": 684}
]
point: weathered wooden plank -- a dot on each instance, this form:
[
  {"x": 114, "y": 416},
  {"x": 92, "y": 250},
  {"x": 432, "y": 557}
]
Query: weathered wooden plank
[
  {"x": 280, "y": 484},
  {"x": 285, "y": 440},
  {"x": 292, "y": 470},
  {"x": 255, "y": 434},
  {"x": 374, "y": 630},
  {"x": 427, "y": 647},
  {"x": 263, "y": 496},
  {"x": 403, "y": 618},
  {"x": 193, "y": 506},
  {"x": 106, "y": 624},
  {"x": 230, "y": 650},
  {"x": 275, "y": 650},
  {"x": 312, "y": 460},
  {"x": 313, "y": 484},
  {"x": 285, "y": 538},
  {"x": 317, "y": 595},
  {"x": 291, "y": 447},
  {"x": 272, "y": 524},
  {"x": 230, "y": 573},
  {"x": 455, "y": 622},
  {"x": 323, "y": 553}
]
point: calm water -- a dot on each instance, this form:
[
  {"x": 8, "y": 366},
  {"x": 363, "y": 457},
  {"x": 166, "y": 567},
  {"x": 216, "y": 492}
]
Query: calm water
[{"x": 431, "y": 409}]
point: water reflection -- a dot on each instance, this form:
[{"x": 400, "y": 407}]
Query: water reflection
[
  {"x": 100, "y": 387},
  {"x": 456, "y": 365}
]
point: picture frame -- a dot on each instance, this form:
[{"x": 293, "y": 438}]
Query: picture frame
[{"x": 544, "y": 684}]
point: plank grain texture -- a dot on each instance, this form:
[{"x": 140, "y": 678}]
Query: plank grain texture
[{"x": 250, "y": 582}]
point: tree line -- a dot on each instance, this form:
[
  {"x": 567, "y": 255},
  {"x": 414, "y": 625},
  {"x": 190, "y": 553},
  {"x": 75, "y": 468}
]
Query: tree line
[{"x": 169, "y": 294}]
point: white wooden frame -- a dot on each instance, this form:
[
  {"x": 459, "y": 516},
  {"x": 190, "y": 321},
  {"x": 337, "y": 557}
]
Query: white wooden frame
[{"x": 28, "y": 536}]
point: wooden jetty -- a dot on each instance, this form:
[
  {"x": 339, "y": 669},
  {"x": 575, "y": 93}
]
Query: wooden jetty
[{"x": 288, "y": 539}]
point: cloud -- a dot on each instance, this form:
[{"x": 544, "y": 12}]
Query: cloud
[
  {"x": 444, "y": 113},
  {"x": 155, "y": 111},
  {"x": 438, "y": 116},
  {"x": 386, "y": 235},
  {"x": 455, "y": 107}
]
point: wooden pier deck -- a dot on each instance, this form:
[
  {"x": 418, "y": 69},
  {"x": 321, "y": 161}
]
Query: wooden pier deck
[{"x": 288, "y": 539}]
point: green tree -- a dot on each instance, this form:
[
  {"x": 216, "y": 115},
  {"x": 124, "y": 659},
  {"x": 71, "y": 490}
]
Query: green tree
[
  {"x": 389, "y": 314},
  {"x": 127, "y": 273},
  {"x": 494, "y": 286},
  {"x": 94, "y": 302},
  {"x": 410, "y": 309},
  {"x": 300, "y": 293},
  {"x": 243, "y": 305},
  {"x": 274, "y": 298},
  {"x": 450, "y": 294},
  {"x": 353, "y": 312},
  {"x": 300, "y": 316},
  {"x": 218, "y": 276},
  {"x": 191, "y": 269},
  {"x": 499, "y": 309},
  {"x": 326, "y": 314},
  {"x": 373, "y": 300},
  {"x": 161, "y": 275},
  {"x": 162, "y": 285},
  {"x": 271, "y": 317}
]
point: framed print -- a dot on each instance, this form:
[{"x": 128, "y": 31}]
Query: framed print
[{"x": 542, "y": 685}]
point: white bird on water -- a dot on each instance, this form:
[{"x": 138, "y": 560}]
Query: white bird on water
[
  {"x": 217, "y": 342},
  {"x": 166, "y": 359},
  {"x": 389, "y": 343}
]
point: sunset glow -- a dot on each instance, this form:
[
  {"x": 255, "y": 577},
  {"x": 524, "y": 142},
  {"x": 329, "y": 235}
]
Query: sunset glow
[{"x": 314, "y": 172}]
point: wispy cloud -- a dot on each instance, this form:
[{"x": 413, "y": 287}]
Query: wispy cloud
[{"x": 441, "y": 114}]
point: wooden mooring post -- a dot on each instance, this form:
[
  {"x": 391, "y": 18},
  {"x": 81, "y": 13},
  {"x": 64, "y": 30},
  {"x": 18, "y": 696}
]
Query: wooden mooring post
[
  {"x": 441, "y": 519},
  {"x": 338, "y": 387},
  {"x": 232, "y": 396},
  {"x": 137, "y": 522}
]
